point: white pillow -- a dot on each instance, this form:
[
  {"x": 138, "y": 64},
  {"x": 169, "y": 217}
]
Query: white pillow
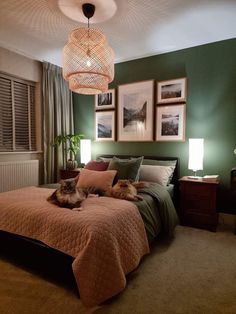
[{"x": 157, "y": 174}]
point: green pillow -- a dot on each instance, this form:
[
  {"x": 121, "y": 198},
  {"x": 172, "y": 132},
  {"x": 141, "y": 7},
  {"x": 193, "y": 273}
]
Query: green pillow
[{"x": 126, "y": 168}]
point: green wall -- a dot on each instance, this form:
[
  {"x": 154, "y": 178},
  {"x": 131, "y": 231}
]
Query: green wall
[{"x": 211, "y": 109}]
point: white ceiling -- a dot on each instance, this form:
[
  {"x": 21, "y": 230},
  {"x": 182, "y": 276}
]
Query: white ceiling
[{"x": 38, "y": 29}]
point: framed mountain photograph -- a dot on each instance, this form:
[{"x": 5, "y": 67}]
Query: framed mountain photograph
[
  {"x": 170, "y": 123},
  {"x": 171, "y": 91},
  {"x": 135, "y": 111},
  {"x": 105, "y": 125}
]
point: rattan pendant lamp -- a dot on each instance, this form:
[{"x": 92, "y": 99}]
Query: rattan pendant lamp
[{"x": 88, "y": 60}]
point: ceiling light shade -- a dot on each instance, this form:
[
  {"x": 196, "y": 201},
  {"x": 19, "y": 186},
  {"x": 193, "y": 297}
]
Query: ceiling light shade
[{"x": 88, "y": 61}]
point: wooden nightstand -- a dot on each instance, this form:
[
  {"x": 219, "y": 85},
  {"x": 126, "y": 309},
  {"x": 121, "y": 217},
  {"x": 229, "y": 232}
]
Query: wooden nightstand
[
  {"x": 67, "y": 174},
  {"x": 198, "y": 203}
]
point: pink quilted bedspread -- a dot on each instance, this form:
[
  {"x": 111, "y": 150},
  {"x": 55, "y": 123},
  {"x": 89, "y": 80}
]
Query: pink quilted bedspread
[{"x": 107, "y": 237}]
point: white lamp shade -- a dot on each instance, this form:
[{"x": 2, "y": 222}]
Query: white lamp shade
[
  {"x": 196, "y": 153},
  {"x": 85, "y": 151}
]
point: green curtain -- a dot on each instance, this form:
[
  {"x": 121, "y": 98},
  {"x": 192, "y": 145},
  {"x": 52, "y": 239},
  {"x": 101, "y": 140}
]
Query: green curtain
[{"x": 58, "y": 119}]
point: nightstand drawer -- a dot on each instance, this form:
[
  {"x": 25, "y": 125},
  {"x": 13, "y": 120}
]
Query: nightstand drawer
[
  {"x": 196, "y": 190},
  {"x": 208, "y": 222},
  {"x": 201, "y": 205}
]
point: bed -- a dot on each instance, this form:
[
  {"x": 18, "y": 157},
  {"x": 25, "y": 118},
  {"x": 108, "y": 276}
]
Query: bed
[{"x": 105, "y": 240}]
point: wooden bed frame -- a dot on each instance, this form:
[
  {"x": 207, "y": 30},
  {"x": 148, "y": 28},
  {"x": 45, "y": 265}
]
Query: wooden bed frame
[{"x": 40, "y": 258}]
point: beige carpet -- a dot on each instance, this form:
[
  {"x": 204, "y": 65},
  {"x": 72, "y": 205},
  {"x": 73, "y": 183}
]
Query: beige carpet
[{"x": 194, "y": 273}]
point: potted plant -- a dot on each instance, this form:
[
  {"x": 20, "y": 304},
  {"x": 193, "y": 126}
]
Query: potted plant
[{"x": 72, "y": 145}]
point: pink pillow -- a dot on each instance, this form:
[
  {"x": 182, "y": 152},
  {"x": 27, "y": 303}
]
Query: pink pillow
[
  {"x": 97, "y": 165},
  {"x": 101, "y": 180}
]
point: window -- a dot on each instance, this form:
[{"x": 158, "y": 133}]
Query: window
[{"x": 17, "y": 114}]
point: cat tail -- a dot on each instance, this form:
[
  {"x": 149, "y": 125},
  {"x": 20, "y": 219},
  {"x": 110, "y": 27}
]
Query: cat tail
[
  {"x": 94, "y": 190},
  {"x": 140, "y": 184},
  {"x": 52, "y": 198}
]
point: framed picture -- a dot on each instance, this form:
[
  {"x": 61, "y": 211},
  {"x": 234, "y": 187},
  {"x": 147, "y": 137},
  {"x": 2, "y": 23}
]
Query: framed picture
[
  {"x": 105, "y": 125},
  {"x": 105, "y": 100},
  {"x": 170, "y": 123},
  {"x": 135, "y": 111},
  {"x": 171, "y": 91}
]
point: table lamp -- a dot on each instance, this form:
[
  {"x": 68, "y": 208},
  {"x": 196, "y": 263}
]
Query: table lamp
[
  {"x": 85, "y": 151},
  {"x": 196, "y": 153}
]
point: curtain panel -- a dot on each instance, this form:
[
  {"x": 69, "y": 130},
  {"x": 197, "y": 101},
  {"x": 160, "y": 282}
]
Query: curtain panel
[{"x": 58, "y": 119}]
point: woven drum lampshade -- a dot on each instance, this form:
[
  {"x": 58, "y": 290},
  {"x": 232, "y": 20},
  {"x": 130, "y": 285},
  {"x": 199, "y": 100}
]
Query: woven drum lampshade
[{"x": 88, "y": 61}]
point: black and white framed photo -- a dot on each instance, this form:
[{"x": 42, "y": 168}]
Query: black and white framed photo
[
  {"x": 105, "y": 100},
  {"x": 170, "y": 123},
  {"x": 172, "y": 91},
  {"x": 135, "y": 111},
  {"x": 105, "y": 125}
]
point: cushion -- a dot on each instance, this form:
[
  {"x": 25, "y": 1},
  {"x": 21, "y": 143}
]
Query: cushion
[
  {"x": 157, "y": 174},
  {"x": 101, "y": 180},
  {"x": 171, "y": 163},
  {"x": 105, "y": 159},
  {"x": 97, "y": 165},
  {"x": 126, "y": 168},
  {"x": 159, "y": 162}
]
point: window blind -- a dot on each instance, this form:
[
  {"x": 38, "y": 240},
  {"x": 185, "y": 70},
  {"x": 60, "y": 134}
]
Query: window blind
[{"x": 17, "y": 114}]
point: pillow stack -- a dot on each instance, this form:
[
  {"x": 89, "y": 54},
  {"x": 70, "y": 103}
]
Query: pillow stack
[{"x": 105, "y": 172}]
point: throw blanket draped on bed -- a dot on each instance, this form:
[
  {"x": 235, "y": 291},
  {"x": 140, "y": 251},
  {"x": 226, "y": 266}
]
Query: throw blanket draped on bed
[
  {"x": 157, "y": 211},
  {"x": 107, "y": 238}
]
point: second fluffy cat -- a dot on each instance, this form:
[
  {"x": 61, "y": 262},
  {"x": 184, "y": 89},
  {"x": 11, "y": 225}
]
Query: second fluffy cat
[{"x": 127, "y": 190}]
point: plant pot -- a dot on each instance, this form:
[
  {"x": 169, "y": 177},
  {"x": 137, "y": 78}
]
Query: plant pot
[{"x": 71, "y": 164}]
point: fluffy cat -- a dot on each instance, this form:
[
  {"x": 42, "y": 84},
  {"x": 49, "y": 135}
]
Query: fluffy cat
[
  {"x": 68, "y": 195},
  {"x": 126, "y": 190}
]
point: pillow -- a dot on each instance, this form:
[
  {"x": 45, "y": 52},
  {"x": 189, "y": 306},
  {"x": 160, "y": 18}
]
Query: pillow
[
  {"x": 106, "y": 159},
  {"x": 101, "y": 180},
  {"x": 160, "y": 162},
  {"x": 157, "y": 174},
  {"x": 171, "y": 163},
  {"x": 126, "y": 168},
  {"x": 97, "y": 165}
]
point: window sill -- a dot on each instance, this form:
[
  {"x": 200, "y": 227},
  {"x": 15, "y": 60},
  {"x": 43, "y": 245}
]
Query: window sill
[{"x": 26, "y": 152}]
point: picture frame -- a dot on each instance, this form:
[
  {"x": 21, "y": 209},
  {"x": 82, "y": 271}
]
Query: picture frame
[
  {"x": 172, "y": 91},
  {"x": 105, "y": 100},
  {"x": 105, "y": 125},
  {"x": 135, "y": 111},
  {"x": 170, "y": 123}
]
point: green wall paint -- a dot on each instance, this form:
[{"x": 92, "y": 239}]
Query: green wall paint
[{"x": 211, "y": 109}]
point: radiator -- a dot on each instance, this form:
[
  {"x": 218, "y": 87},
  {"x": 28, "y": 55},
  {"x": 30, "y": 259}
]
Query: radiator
[{"x": 18, "y": 174}]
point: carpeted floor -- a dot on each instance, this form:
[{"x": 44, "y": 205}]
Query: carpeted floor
[{"x": 194, "y": 273}]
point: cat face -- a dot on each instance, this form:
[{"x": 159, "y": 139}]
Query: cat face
[
  {"x": 123, "y": 183},
  {"x": 68, "y": 186}
]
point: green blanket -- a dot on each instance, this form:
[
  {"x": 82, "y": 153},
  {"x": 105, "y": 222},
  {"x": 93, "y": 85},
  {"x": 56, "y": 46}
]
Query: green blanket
[{"x": 157, "y": 211}]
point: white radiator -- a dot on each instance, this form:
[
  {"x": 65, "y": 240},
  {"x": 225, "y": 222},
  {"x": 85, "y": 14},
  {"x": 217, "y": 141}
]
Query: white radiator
[{"x": 17, "y": 174}]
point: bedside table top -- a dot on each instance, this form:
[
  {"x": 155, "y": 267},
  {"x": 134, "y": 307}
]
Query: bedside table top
[{"x": 200, "y": 180}]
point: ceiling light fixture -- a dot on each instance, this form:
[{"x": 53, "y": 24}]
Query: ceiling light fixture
[{"x": 88, "y": 60}]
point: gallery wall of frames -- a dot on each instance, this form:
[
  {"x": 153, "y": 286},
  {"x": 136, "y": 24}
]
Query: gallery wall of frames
[{"x": 142, "y": 111}]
